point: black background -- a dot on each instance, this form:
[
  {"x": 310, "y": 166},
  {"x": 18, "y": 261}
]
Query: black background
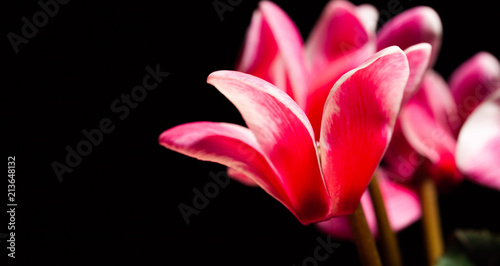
[{"x": 120, "y": 204}]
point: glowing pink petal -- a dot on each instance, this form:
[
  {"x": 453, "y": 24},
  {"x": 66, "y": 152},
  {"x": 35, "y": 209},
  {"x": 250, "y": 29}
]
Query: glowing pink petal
[
  {"x": 228, "y": 144},
  {"x": 285, "y": 137},
  {"x": 425, "y": 124},
  {"x": 368, "y": 15},
  {"x": 472, "y": 82},
  {"x": 416, "y": 25},
  {"x": 401, "y": 203},
  {"x": 478, "y": 147},
  {"x": 337, "y": 33},
  {"x": 418, "y": 59},
  {"x": 274, "y": 51},
  {"x": 357, "y": 125}
]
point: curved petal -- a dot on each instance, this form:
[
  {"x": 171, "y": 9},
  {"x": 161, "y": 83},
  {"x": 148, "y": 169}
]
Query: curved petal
[
  {"x": 259, "y": 50},
  {"x": 368, "y": 15},
  {"x": 228, "y": 144},
  {"x": 241, "y": 177},
  {"x": 357, "y": 124},
  {"x": 339, "y": 42},
  {"x": 416, "y": 25},
  {"x": 472, "y": 82},
  {"x": 425, "y": 124},
  {"x": 338, "y": 32},
  {"x": 401, "y": 203},
  {"x": 418, "y": 59},
  {"x": 326, "y": 78},
  {"x": 401, "y": 160},
  {"x": 285, "y": 137},
  {"x": 478, "y": 147},
  {"x": 274, "y": 51}
]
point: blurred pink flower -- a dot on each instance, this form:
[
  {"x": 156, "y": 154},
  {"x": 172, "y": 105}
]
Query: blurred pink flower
[{"x": 431, "y": 121}]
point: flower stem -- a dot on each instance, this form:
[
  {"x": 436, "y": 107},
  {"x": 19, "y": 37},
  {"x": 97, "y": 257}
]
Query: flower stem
[
  {"x": 367, "y": 250},
  {"x": 391, "y": 255},
  {"x": 430, "y": 220}
]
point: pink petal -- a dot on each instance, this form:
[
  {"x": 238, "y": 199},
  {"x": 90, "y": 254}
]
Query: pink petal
[
  {"x": 416, "y": 25},
  {"x": 358, "y": 120},
  {"x": 285, "y": 137},
  {"x": 326, "y": 78},
  {"x": 478, "y": 147},
  {"x": 472, "y": 82},
  {"x": 425, "y": 124},
  {"x": 259, "y": 49},
  {"x": 418, "y": 59},
  {"x": 274, "y": 51},
  {"x": 401, "y": 160},
  {"x": 339, "y": 42},
  {"x": 401, "y": 203},
  {"x": 241, "y": 177},
  {"x": 228, "y": 144},
  {"x": 368, "y": 15},
  {"x": 338, "y": 32}
]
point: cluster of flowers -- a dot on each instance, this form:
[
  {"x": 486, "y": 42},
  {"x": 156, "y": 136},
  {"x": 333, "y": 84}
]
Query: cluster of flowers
[{"x": 322, "y": 115}]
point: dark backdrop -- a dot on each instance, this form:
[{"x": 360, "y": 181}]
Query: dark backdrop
[{"x": 120, "y": 203}]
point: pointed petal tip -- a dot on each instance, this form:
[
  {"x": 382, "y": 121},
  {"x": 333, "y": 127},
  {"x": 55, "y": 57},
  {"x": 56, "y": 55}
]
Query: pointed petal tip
[
  {"x": 473, "y": 81},
  {"x": 415, "y": 25},
  {"x": 369, "y": 15},
  {"x": 360, "y": 112},
  {"x": 419, "y": 56}
]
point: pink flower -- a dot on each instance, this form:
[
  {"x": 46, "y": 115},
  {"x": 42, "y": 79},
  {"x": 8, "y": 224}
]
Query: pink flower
[
  {"x": 478, "y": 145},
  {"x": 278, "y": 151},
  {"x": 341, "y": 40},
  {"x": 433, "y": 118},
  {"x": 409, "y": 31}
]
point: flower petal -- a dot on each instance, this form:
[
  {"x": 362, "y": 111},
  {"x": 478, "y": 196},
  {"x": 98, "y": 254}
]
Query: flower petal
[
  {"x": 368, "y": 15},
  {"x": 401, "y": 160},
  {"x": 228, "y": 144},
  {"x": 401, "y": 203},
  {"x": 418, "y": 59},
  {"x": 472, "y": 82},
  {"x": 323, "y": 83},
  {"x": 426, "y": 126},
  {"x": 338, "y": 32},
  {"x": 338, "y": 43},
  {"x": 241, "y": 177},
  {"x": 260, "y": 51},
  {"x": 416, "y": 25},
  {"x": 274, "y": 51},
  {"x": 285, "y": 136},
  {"x": 478, "y": 147},
  {"x": 357, "y": 124}
]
